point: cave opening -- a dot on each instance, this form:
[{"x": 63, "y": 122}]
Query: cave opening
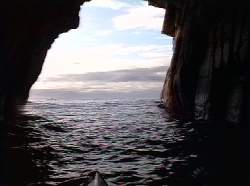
[
  {"x": 60, "y": 139},
  {"x": 117, "y": 52}
]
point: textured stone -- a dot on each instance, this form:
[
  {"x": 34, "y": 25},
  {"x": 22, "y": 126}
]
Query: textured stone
[{"x": 208, "y": 78}]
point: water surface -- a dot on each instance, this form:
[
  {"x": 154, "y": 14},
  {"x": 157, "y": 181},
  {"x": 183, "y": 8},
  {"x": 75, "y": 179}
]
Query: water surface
[{"x": 131, "y": 142}]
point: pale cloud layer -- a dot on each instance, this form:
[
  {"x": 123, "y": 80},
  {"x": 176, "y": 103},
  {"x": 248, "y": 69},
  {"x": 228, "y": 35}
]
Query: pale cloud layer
[
  {"x": 140, "y": 79},
  {"x": 142, "y": 17},
  {"x": 103, "y": 33},
  {"x": 113, "y": 4},
  {"x": 105, "y": 58},
  {"x": 153, "y": 74}
]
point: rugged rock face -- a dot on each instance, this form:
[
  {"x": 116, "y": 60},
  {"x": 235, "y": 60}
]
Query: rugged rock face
[
  {"x": 28, "y": 28},
  {"x": 208, "y": 78}
]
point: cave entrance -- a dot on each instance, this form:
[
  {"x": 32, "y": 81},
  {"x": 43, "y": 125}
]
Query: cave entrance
[{"x": 117, "y": 51}]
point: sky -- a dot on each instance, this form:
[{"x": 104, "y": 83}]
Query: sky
[{"x": 117, "y": 50}]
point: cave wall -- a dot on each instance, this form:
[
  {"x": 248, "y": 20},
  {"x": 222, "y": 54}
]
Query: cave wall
[
  {"x": 28, "y": 28},
  {"x": 209, "y": 74}
]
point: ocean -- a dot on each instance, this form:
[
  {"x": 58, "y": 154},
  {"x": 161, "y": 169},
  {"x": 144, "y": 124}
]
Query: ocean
[{"x": 130, "y": 142}]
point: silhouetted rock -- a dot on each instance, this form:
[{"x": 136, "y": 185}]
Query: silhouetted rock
[
  {"x": 208, "y": 78},
  {"x": 28, "y": 28}
]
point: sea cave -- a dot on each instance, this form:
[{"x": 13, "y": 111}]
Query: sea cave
[{"x": 207, "y": 83}]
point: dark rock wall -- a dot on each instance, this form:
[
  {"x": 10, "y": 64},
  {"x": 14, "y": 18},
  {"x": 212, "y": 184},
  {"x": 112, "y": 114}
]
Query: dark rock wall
[
  {"x": 28, "y": 28},
  {"x": 209, "y": 74}
]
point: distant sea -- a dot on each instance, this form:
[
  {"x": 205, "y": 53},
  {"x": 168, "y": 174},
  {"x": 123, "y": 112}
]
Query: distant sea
[{"x": 129, "y": 141}]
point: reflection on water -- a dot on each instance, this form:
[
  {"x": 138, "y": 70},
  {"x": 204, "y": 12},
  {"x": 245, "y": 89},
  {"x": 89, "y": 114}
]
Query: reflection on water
[{"x": 129, "y": 142}]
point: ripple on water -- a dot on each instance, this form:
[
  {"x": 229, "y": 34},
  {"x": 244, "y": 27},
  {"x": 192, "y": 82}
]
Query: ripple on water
[{"x": 130, "y": 142}]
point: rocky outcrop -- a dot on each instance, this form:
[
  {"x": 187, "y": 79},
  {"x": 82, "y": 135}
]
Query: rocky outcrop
[
  {"x": 208, "y": 78},
  {"x": 28, "y": 28}
]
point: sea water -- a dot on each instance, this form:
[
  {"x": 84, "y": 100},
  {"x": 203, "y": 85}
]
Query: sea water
[{"x": 129, "y": 141}]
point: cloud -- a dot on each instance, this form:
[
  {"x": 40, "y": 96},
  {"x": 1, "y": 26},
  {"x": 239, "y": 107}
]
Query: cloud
[
  {"x": 141, "y": 17},
  {"x": 112, "y": 4},
  {"x": 155, "y": 74},
  {"x": 103, "y": 33},
  {"x": 105, "y": 57},
  {"x": 140, "y": 79}
]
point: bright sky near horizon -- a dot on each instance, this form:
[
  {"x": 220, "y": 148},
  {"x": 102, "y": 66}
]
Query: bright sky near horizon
[{"x": 122, "y": 37}]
